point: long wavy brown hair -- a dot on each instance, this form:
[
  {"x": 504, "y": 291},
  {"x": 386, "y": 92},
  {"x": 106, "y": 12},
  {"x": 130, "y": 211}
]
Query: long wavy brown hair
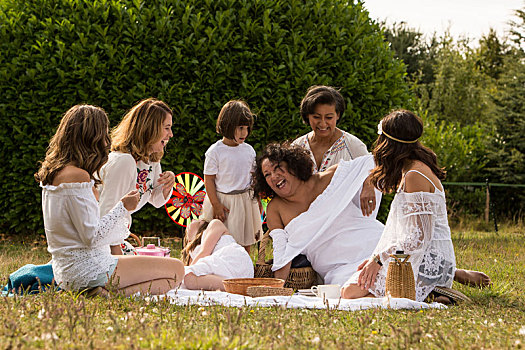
[
  {"x": 391, "y": 156},
  {"x": 190, "y": 246},
  {"x": 140, "y": 129},
  {"x": 81, "y": 140}
]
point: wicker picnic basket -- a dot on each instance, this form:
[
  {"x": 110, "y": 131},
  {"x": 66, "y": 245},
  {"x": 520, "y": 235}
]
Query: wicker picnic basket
[
  {"x": 240, "y": 285},
  {"x": 263, "y": 291},
  {"x": 400, "y": 277},
  {"x": 299, "y": 277}
]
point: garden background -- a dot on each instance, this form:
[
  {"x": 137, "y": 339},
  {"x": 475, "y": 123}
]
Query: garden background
[{"x": 198, "y": 54}]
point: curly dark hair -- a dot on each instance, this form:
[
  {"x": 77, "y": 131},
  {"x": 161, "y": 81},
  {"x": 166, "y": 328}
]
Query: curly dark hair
[
  {"x": 322, "y": 95},
  {"x": 296, "y": 158},
  {"x": 392, "y": 156}
]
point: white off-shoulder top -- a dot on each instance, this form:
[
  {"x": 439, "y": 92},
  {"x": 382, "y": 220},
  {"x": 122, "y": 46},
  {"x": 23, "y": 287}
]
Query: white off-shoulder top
[{"x": 77, "y": 237}]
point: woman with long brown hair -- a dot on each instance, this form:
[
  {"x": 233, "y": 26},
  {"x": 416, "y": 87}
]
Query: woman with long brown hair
[
  {"x": 78, "y": 238},
  {"x": 417, "y": 223},
  {"x": 137, "y": 146}
]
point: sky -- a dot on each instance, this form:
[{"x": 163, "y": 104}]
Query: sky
[{"x": 470, "y": 18}]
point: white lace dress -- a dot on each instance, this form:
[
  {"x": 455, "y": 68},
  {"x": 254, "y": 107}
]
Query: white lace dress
[
  {"x": 228, "y": 260},
  {"x": 418, "y": 225},
  {"x": 77, "y": 237}
]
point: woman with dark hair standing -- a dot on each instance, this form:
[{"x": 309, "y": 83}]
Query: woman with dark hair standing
[{"x": 322, "y": 108}]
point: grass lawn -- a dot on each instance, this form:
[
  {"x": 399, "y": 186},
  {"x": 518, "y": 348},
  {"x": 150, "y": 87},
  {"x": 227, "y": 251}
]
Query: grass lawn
[{"x": 495, "y": 319}]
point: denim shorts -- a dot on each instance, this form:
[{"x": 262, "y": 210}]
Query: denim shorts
[{"x": 103, "y": 278}]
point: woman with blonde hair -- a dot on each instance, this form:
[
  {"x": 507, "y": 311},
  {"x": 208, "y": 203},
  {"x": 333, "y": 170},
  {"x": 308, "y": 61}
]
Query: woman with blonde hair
[
  {"x": 137, "y": 146},
  {"x": 78, "y": 237},
  {"x": 212, "y": 255}
]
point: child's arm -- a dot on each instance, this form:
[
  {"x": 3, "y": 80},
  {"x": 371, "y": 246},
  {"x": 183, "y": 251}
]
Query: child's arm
[
  {"x": 219, "y": 211},
  {"x": 210, "y": 237}
]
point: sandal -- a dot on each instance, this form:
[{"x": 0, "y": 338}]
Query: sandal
[{"x": 454, "y": 295}]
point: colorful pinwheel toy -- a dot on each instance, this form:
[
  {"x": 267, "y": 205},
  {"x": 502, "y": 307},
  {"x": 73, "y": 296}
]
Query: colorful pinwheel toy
[
  {"x": 185, "y": 204},
  {"x": 264, "y": 203}
]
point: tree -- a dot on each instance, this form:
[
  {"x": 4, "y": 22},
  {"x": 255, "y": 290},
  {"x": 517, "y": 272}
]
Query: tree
[
  {"x": 410, "y": 46},
  {"x": 491, "y": 54}
]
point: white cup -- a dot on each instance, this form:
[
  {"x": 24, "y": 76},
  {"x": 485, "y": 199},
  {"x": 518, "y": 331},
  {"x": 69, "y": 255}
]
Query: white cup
[{"x": 327, "y": 291}]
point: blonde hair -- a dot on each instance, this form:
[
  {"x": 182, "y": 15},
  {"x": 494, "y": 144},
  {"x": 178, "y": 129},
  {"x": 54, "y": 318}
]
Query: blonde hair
[
  {"x": 81, "y": 140},
  {"x": 190, "y": 246},
  {"x": 140, "y": 129}
]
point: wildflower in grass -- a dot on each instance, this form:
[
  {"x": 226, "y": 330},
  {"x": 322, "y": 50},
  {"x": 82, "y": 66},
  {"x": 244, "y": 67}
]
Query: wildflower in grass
[
  {"x": 316, "y": 340},
  {"x": 204, "y": 313},
  {"x": 49, "y": 336},
  {"x": 110, "y": 329},
  {"x": 41, "y": 314},
  {"x": 522, "y": 330},
  {"x": 252, "y": 311},
  {"x": 374, "y": 332}
]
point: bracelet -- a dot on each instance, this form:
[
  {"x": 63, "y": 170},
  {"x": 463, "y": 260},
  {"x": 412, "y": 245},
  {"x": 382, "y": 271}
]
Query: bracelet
[{"x": 377, "y": 260}]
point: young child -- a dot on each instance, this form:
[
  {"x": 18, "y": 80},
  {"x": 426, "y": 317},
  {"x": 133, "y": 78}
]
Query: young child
[
  {"x": 78, "y": 238},
  {"x": 137, "y": 147},
  {"x": 212, "y": 255},
  {"x": 227, "y": 176},
  {"x": 417, "y": 222}
]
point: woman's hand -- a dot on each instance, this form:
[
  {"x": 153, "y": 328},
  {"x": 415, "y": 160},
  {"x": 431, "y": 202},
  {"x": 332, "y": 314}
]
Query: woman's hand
[
  {"x": 131, "y": 200},
  {"x": 367, "y": 198},
  {"x": 167, "y": 180},
  {"x": 367, "y": 277},
  {"x": 220, "y": 211}
]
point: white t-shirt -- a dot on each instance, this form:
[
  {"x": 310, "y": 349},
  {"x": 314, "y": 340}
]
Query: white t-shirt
[
  {"x": 122, "y": 174},
  {"x": 232, "y": 166}
]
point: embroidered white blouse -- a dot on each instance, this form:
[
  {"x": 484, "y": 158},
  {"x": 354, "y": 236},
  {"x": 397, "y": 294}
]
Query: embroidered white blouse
[
  {"x": 122, "y": 174},
  {"x": 77, "y": 237},
  {"x": 347, "y": 147}
]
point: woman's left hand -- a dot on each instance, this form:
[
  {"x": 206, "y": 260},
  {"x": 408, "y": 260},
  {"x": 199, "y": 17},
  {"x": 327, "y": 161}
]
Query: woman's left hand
[
  {"x": 367, "y": 198},
  {"x": 167, "y": 179},
  {"x": 367, "y": 277}
]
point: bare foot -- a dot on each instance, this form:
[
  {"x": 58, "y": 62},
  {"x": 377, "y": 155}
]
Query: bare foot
[{"x": 472, "y": 278}]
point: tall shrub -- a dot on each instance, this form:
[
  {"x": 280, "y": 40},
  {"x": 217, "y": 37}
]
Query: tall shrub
[{"x": 193, "y": 54}]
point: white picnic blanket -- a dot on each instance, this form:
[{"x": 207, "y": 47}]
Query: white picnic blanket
[{"x": 207, "y": 298}]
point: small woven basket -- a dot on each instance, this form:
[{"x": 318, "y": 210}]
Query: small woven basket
[
  {"x": 299, "y": 277},
  {"x": 240, "y": 285},
  {"x": 400, "y": 277},
  {"x": 262, "y": 291}
]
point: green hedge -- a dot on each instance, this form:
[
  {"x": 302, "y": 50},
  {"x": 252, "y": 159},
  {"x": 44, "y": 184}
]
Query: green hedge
[{"x": 193, "y": 54}]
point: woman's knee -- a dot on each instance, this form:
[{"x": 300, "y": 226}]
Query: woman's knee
[
  {"x": 190, "y": 280},
  {"x": 216, "y": 224},
  {"x": 352, "y": 291}
]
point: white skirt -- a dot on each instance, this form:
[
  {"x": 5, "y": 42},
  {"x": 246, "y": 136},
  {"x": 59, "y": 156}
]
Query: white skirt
[
  {"x": 231, "y": 261},
  {"x": 243, "y": 220}
]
